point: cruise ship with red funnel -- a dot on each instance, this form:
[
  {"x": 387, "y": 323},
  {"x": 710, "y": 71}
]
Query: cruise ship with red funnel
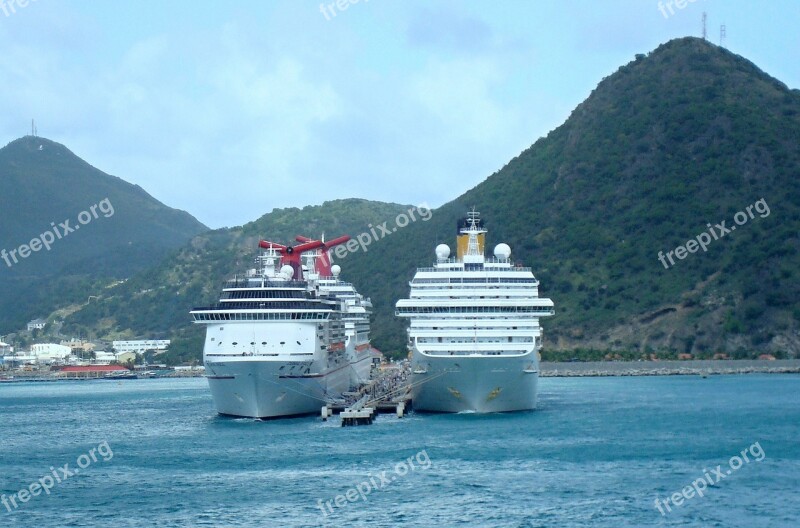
[{"x": 289, "y": 336}]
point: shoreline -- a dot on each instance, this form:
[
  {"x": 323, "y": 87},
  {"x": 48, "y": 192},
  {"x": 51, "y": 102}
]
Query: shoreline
[
  {"x": 11, "y": 376},
  {"x": 706, "y": 367},
  {"x": 550, "y": 369}
]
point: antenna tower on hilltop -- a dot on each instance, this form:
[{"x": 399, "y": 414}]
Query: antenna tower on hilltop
[{"x": 704, "y": 25}]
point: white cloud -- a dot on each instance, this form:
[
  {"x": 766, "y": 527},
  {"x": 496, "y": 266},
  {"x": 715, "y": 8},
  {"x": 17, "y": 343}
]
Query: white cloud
[
  {"x": 459, "y": 94},
  {"x": 230, "y": 113}
]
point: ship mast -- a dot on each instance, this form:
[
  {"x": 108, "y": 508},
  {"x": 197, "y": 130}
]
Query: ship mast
[{"x": 473, "y": 230}]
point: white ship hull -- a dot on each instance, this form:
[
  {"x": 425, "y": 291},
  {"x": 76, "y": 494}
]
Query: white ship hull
[
  {"x": 474, "y": 331},
  {"x": 257, "y": 388},
  {"x": 287, "y": 338},
  {"x": 474, "y": 383}
]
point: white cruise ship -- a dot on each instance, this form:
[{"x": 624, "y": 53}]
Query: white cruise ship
[
  {"x": 474, "y": 332},
  {"x": 288, "y": 337}
]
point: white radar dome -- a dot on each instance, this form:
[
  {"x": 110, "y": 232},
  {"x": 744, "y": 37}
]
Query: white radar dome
[
  {"x": 336, "y": 270},
  {"x": 442, "y": 252},
  {"x": 502, "y": 251},
  {"x": 287, "y": 271}
]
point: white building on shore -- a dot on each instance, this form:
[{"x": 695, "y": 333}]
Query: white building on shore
[
  {"x": 141, "y": 345},
  {"x": 5, "y": 350},
  {"x": 50, "y": 352},
  {"x": 104, "y": 358}
]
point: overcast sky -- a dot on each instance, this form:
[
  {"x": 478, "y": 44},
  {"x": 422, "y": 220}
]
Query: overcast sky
[{"x": 230, "y": 109}]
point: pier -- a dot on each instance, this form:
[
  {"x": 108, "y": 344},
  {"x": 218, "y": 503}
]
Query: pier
[
  {"x": 387, "y": 393},
  {"x": 358, "y": 413}
]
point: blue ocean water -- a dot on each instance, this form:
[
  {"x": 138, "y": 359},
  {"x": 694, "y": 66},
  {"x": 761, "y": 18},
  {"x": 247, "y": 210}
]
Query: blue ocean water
[{"x": 598, "y": 452}]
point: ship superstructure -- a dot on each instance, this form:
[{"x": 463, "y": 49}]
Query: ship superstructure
[
  {"x": 474, "y": 334},
  {"x": 287, "y": 337}
]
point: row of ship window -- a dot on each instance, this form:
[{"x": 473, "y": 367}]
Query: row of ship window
[
  {"x": 263, "y": 354},
  {"x": 274, "y": 305},
  {"x": 258, "y": 316},
  {"x": 247, "y": 283},
  {"x": 473, "y": 352},
  {"x": 429, "y": 297},
  {"x": 473, "y": 309},
  {"x": 264, "y": 294},
  {"x": 485, "y": 280},
  {"x": 235, "y": 343},
  {"x": 479, "y": 340}
]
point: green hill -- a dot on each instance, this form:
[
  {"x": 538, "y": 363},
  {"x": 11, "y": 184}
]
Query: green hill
[
  {"x": 91, "y": 227},
  {"x": 684, "y": 137},
  {"x": 687, "y": 136},
  {"x": 156, "y": 303}
]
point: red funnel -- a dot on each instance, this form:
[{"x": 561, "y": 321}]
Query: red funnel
[{"x": 291, "y": 254}]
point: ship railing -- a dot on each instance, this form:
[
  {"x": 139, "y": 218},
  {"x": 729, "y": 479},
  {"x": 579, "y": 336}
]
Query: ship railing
[
  {"x": 488, "y": 263},
  {"x": 257, "y": 283},
  {"x": 337, "y": 284},
  {"x": 490, "y": 353},
  {"x": 202, "y": 316},
  {"x": 472, "y": 282},
  {"x": 247, "y": 354}
]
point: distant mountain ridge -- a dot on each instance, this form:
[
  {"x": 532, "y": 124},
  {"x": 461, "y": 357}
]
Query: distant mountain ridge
[
  {"x": 45, "y": 188},
  {"x": 686, "y": 136}
]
